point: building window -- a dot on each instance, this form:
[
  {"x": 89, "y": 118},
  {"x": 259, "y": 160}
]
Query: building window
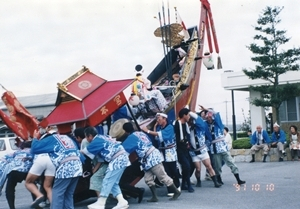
[
  {"x": 288, "y": 110},
  {"x": 282, "y": 112}
]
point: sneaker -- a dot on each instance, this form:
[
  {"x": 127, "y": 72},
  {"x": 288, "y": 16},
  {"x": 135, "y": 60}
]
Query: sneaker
[
  {"x": 37, "y": 201},
  {"x": 280, "y": 159},
  {"x": 121, "y": 205}
]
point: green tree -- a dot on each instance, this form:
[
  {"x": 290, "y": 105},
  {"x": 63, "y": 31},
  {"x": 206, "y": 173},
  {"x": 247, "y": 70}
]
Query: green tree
[{"x": 272, "y": 60}]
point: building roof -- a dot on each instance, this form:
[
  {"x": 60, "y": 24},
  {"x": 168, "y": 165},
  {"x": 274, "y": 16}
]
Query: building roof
[
  {"x": 40, "y": 100},
  {"x": 239, "y": 81}
]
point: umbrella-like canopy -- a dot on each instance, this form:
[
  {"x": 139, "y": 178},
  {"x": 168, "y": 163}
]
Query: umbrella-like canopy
[{"x": 87, "y": 99}]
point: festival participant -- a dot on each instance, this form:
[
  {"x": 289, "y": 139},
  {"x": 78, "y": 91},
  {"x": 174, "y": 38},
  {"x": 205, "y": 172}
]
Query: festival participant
[
  {"x": 130, "y": 174},
  {"x": 202, "y": 114},
  {"x": 198, "y": 149},
  {"x": 112, "y": 152},
  {"x": 14, "y": 168},
  {"x": 42, "y": 165},
  {"x": 182, "y": 134},
  {"x": 259, "y": 140},
  {"x": 164, "y": 133},
  {"x": 219, "y": 147},
  {"x": 142, "y": 88},
  {"x": 294, "y": 142},
  {"x": 278, "y": 140},
  {"x": 228, "y": 138},
  {"x": 65, "y": 156},
  {"x": 151, "y": 160},
  {"x": 99, "y": 167}
]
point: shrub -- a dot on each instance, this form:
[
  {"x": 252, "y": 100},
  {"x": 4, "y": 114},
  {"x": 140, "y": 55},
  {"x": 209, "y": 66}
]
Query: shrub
[
  {"x": 243, "y": 143},
  {"x": 241, "y": 134}
]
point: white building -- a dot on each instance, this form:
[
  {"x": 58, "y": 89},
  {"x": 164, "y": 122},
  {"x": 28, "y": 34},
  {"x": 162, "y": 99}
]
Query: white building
[{"x": 289, "y": 111}]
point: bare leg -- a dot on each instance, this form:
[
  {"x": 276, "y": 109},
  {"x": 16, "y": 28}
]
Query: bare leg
[
  {"x": 208, "y": 166},
  {"x": 48, "y": 186},
  {"x": 198, "y": 173},
  {"x": 212, "y": 173},
  {"x": 30, "y": 185}
]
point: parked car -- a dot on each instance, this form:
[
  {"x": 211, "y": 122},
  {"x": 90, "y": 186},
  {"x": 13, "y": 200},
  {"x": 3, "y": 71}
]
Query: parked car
[
  {"x": 7, "y": 146},
  {"x": 6, "y": 132},
  {"x": 7, "y": 141}
]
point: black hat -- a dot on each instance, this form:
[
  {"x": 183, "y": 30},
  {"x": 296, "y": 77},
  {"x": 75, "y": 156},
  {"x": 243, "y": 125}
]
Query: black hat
[
  {"x": 128, "y": 127},
  {"x": 138, "y": 68}
]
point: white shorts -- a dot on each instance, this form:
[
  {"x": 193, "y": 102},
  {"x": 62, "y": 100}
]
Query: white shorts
[
  {"x": 41, "y": 163},
  {"x": 200, "y": 157}
]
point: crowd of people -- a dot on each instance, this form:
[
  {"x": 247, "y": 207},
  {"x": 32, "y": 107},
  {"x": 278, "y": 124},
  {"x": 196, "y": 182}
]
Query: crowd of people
[
  {"x": 261, "y": 140},
  {"x": 168, "y": 153}
]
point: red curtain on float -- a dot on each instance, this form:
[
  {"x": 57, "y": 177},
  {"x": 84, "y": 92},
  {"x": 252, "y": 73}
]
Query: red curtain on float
[{"x": 20, "y": 121}]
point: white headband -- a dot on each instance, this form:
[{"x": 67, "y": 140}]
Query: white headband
[{"x": 162, "y": 114}]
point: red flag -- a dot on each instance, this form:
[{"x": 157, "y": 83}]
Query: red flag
[
  {"x": 19, "y": 116},
  {"x": 16, "y": 127},
  {"x": 184, "y": 31}
]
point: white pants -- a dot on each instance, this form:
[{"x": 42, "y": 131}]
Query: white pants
[{"x": 41, "y": 163}]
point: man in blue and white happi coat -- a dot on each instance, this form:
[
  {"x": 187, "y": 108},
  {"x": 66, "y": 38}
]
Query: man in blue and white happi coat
[
  {"x": 14, "y": 168},
  {"x": 151, "y": 160},
  {"x": 199, "y": 150},
  {"x": 112, "y": 152},
  {"x": 259, "y": 140},
  {"x": 278, "y": 140},
  {"x": 164, "y": 133},
  {"x": 219, "y": 147},
  {"x": 67, "y": 159}
]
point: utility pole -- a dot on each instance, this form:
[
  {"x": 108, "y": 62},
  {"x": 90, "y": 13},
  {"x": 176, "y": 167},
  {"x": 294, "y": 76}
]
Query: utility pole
[{"x": 233, "y": 116}]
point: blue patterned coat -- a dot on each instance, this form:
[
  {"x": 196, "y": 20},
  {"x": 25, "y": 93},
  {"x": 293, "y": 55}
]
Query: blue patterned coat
[
  {"x": 219, "y": 140},
  {"x": 63, "y": 153},
  {"x": 167, "y": 136},
  {"x": 199, "y": 131},
  {"x": 20, "y": 160},
  {"x": 140, "y": 143},
  {"x": 108, "y": 149},
  {"x": 254, "y": 139},
  {"x": 278, "y": 137}
]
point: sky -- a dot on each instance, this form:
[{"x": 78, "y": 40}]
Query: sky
[{"x": 44, "y": 42}]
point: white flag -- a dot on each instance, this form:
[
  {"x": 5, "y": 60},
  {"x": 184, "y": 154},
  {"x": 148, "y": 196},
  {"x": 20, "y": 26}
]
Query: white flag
[{"x": 184, "y": 32}]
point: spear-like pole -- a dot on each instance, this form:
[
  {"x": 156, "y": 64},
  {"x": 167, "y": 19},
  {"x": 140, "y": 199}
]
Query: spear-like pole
[
  {"x": 166, "y": 36},
  {"x": 3, "y": 87},
  {"x": 170, "y": 36},
  {"x": 162, "y": 36}
]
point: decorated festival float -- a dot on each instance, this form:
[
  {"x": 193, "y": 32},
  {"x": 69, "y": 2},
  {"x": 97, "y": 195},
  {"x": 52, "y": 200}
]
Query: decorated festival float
[{"x": 85, "y": 99}]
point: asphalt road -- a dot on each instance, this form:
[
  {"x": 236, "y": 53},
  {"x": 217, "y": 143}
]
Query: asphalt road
[{"x": 268, "y": 185}]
